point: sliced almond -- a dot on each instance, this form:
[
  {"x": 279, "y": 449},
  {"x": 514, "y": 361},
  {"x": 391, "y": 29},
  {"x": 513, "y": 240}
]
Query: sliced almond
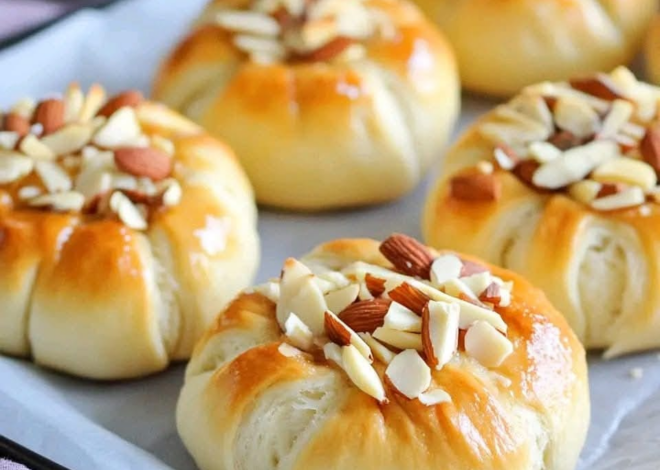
[
  {"x": 92, "y": 182},
  {"x": 14, "y": 167},
  {"x": 434, "y": 397},
  {"x": 457, "y": 288},
  {"x": 399, "y": 339},
  {"x": 31, "y": 146},
  {"x": 487, "y": 345},
  {"x": 50, "y": 114},
  {"x": 53, "y": 176},
  {"x": 298, "y": 333},
  {"x": 492, "y": 294},
  {"x": 440, "y": 332},
  {"x": 163, "y": 144},
  {"x": 585, "y": 191},
  {"x": 362, "y": 374},
  {"x": 444, "y": 268},
  {"x": 270, "y": 290},
  {"x": 68, "y": 201},
  {"x": 128, "y": 213},
  {"x": 28, "y": 192},
  {"x": 409, "y": 374},
  {"x": 576, "y": 116},
  {"x": 471, "y": 268},
  {"x": 505, "y": 157},
  {"x": 365, "y": 315},
  {"x": 287, "y": 350},
  {"x": 544, "y": 152},
  {"x": 328, "y": 51},
  {"x": 129, "y": 98},
  {"x": 403, "y": 319},
  {"x": 410, "y": 297},
  {"x": 8, "y": 140},
  {"x": 254, "y": 44},
  {"x": 477, "y": 283},
  {"x": 340, "y": 333},
  {"x": 333, "y": 352},
  {"x": 74, "y": 99},
  {"x": 627, "y": 171},
  {"x": 299, "y": 293},
  {"x": 375, "y": 285},
  {"x": 599, "y": 85},
  {"x": 250, "y": 22},
  {"x": 69, "y": 139},
  {"x": 24, "y": 108},
  {"x": 337, "y": 300},
  {"x": 93, "y": 102},
  {"x": 407, "y": 255},
  {"x": 121, "y": 129},
  {"x": 630, "y": 197},
  {"x": 475, "y": 187},
  {"x": 173, "y": 194},
  {"x": 380, "y": 351},
  {"x": 619, "y": 115},
  {"x": 574, "y": 164}
]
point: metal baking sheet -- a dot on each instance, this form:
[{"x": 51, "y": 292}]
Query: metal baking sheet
[{"x": 130, "y": 425}]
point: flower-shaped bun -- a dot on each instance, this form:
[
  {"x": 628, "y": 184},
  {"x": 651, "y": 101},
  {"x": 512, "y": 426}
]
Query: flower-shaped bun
[
  {"x": 330, "y": 103},
  {"x": 368, "y": 355},
  {"x": 123, "y": 229},
  {"x": 503, "y": 46},
  {"x": 561, "y": 185}
]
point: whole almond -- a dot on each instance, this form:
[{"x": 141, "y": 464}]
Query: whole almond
[
  {"x": 50, "y": 114},
  {"x": 328, "y": 51},
  {"x": 144, "y": 161},
  {"x": 600, "y": 86},
  {"x": 475, "y": 187},
  {"x": 16, "y": 123},
  {"x": 375, "y": 285},
  {"x": 408, "y": 255},
  {"x": 409, "y": 297},
  {"x": 650, "y": 147},
  {"x": 365, "y": 316},
  {"x": 130, "y": 98}
]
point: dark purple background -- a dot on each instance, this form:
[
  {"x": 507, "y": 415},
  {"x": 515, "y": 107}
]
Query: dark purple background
[{"x": 17, "y": 16}]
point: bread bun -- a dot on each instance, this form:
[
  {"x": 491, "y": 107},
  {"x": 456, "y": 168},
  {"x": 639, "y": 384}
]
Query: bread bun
[
  {"x": 347, "y": 107},
  {"x": 653, "y": 51},
  {"x": 503, "y": 46},
  {"x": 267, "y": 388},
  {"x": 123, "y": 228},
  {"x": 560, "y": 185}
]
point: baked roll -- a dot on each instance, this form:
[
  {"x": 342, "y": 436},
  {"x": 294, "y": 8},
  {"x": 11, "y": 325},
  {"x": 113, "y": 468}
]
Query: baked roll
[
  {"x": 560, "y": 184},
  {"x": 502, "y": 47},
  {"x": 123, "y": 229},
  {"x": 328, "y": 104},
  {"x": 653, "y": 51},
  {"x": 368, "y": 355}
]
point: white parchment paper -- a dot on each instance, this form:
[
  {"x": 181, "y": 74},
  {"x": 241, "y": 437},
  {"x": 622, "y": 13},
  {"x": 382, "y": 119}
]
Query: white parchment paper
[{"x": 130, "y": 425}]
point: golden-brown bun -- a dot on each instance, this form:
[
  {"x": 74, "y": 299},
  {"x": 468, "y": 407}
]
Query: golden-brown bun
[
  {"x": 92, "y": 297},
  {"x": 504, "y": 45},
  {"x": 653, "y": 51},
  {"x": 320, "y": 135},
  {"x": 598, "y": 267},
  {"x": 247, "y": 405}
]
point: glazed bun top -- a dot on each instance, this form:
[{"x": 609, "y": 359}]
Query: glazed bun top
[{"x": 387, "y": 355}]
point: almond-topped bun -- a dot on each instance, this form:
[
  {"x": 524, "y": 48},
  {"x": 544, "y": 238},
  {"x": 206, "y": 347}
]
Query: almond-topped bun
[
  {"x": 389, "y": 356},
  {"x": 503, "y": 46},
  {"x": 123, "y": 229},
  {"x": 561, "y": 185},
  {"x": 327, "y": 103}
]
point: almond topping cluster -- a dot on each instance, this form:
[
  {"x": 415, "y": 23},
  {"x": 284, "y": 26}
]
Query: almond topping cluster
[
  {"x": 85, "y": 153},
  {"x": 408, "y": 318},
  {"x": 597, "y": 139},
  {"x": 303, "y": 30}
]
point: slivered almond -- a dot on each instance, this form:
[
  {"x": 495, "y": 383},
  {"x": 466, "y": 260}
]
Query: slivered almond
[
  {"x": 379, "y": 350},
  {"x": 130, "y": 98},
  {"x": 650, "y": 147},
  {"x": 505, "y": 157},
  {"x": 14, "y": 122},
  {"x": 147, "y": 162},
  {"x": 440, "y": 332},
  {"x": 365, "y": 316},
  {"x": 409, "y": 374},
  {"x": 408, "y": 255},
  {"x": 599, "y": 85},
  {"x": 492, "y": 294},
  {"x": 375, "y": 285},
  {"x": 475, "y": 187},
  {"x": 328, "y": 51},
  {"x": 399, "y": 339},
  {"x": 50, "y": 114},
  {"x": 627, "y": 171},
  {"x": 576, "y": 116},
  {"x": 410, "y": 297},
  {"x": 298, "y": 333},
  {"x": 340, "y": 333},
  {"x": 403, "y": 319}
]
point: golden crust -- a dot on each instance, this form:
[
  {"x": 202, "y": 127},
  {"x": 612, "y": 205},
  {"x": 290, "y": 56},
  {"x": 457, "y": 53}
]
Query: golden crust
[
  {"x": 386, "y": 116},
  {"x": 494, "y": 420},
  {"x": 503, "y": 46},
  {"x": 653, "y": 51},
  {"x": 96, "y": 299}
]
